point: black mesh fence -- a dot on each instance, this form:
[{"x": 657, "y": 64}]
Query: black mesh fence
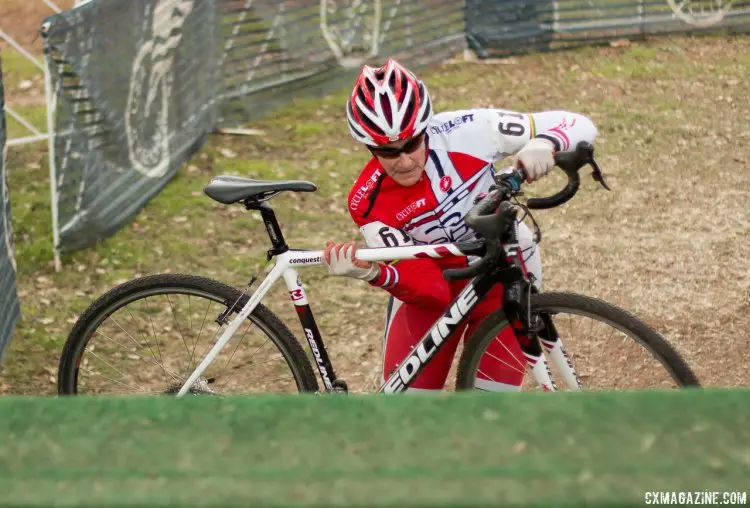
[
  {"x": 10, "y": 310},
  {"x": 499, "y": 28},
  {"x": 275, "y": 51},
  {"x": 138, "y": 88},
  {"x": 140, "y": 83}
]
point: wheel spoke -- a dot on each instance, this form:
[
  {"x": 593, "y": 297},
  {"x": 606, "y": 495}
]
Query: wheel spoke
[
  {"x": 175, "y": 376},
  {"x": 249, "y": 362},
  {"x": 156, "y": 340},
  {"x": 111, "y": 367},
  {"x": 132, "y": 319},
  {"x": 110, "y": 379},
  {"x": 514, "y": 367},
  {"x": 239, "y": 342},
  {"x": 177, "y": 325},
  {"x": 197, "y": 339}
]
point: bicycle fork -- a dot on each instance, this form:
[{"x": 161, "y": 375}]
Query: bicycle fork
[
  {"x": 516, "y": 298},
  {"x": 536, "y": 334}
]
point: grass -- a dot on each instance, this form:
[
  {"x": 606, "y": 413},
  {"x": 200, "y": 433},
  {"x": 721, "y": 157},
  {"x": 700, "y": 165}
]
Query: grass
[
  {"x": 667, "y": 243},
  {"x": 465, "y": 450},
  {"x": 25, "y": 100}
]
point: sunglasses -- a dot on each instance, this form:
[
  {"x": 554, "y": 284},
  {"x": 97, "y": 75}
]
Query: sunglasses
[{"x": 391, "y": 153}]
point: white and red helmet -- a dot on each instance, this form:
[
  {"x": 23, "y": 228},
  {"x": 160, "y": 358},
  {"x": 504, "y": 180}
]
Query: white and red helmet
[{"x": 387, "y": 104}]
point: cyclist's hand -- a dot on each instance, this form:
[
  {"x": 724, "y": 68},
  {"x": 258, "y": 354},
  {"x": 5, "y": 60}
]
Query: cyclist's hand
[
  {"x": 339, "y": 258},
  {"x": 479, "y": 197},
  {"x": 536, "y": 158}
]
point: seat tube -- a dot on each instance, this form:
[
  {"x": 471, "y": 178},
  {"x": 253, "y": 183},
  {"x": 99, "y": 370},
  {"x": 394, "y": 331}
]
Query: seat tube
[{"x": 310, "y": 327}]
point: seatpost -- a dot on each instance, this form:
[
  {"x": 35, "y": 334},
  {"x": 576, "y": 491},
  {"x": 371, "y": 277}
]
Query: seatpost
[{"x": 272, "y": 227}]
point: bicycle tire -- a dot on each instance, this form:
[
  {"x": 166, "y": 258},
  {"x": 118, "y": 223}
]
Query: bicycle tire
[
  {"x": 141, "y": 287},
  {"x": 605, "y": 312}
]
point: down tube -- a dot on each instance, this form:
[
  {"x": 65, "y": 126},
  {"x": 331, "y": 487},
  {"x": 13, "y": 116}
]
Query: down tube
[
  {"x": 442, "y": 331},
  {"x": 310, "y": 327}
]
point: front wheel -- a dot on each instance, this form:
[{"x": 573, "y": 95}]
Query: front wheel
[
  {"x": 590, "y": 344},
  {"x": 147, "y": 336}
]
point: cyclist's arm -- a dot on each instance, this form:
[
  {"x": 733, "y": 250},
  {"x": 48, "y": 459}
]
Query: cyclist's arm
[
  {"x": 564, "y": 129},
  {"x": 493, "y": 134},
  {"x": 415, "y": 281}
]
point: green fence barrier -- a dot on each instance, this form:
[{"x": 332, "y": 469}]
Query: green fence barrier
[{"x": 538, "y": 449}]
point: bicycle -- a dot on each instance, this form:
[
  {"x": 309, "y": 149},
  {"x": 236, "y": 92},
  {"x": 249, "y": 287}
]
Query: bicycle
[{"x": 531, "y": 314}]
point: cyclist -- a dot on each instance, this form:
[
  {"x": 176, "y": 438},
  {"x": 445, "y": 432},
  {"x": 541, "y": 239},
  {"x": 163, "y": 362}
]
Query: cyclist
[{"x": 426, "y": 172}]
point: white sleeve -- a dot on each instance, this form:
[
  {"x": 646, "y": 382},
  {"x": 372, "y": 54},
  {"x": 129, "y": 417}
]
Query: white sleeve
[
  {"x": 564, "y": 129},
  {"x": 471, "y": 131},
  {"x": 493, "y": 134}
]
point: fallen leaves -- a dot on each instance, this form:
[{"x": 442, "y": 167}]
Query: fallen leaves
[
  {"x": 519, "y": 447},
  {"x": 619, "y": 43}
]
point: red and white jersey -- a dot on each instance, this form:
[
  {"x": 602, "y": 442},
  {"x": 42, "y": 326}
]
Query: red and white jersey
[{"x": 462, "y": 147}]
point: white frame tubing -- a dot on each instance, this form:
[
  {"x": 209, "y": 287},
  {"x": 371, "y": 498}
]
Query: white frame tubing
[
  {"x": 540, "y": 370},
  {"x": 409, "y": 252},
  {"x": 285, "y": 268},
  {"x": 562, "y": 362}
]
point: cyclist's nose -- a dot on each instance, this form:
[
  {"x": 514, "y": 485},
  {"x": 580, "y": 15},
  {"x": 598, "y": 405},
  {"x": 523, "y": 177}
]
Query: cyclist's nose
[{"x": 404, "y": 161}]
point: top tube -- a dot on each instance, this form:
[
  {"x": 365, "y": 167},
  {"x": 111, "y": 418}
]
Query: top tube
[
  {"x": 443, "y": 250},
  {"x": 315, "y": 257}
]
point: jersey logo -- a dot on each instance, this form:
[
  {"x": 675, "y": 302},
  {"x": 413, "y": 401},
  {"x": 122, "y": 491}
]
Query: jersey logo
[
  {"x": 404, "y": 214},
  {"x": 364, "y": 189},
  {"x": 448, "y": 126},
  {"x": 445, "y": 183}
]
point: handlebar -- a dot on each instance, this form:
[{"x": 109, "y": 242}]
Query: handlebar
[
  {"x": 493, "y": 215},
  {"x": 570, "y": 163}
]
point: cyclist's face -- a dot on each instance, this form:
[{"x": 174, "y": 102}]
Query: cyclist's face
[{"x": 403, "y": 160}]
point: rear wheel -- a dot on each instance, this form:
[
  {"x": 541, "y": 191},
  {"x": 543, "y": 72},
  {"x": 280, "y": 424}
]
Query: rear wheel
[
  {"x": 590, "y": 344},
  {"x": 147, "y": 335}
]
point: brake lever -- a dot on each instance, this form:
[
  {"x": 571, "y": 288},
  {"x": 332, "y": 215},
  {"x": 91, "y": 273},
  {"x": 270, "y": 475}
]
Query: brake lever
[
  {"x": 597, "y": 174},
  {"x": 475, "y": 268}
]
